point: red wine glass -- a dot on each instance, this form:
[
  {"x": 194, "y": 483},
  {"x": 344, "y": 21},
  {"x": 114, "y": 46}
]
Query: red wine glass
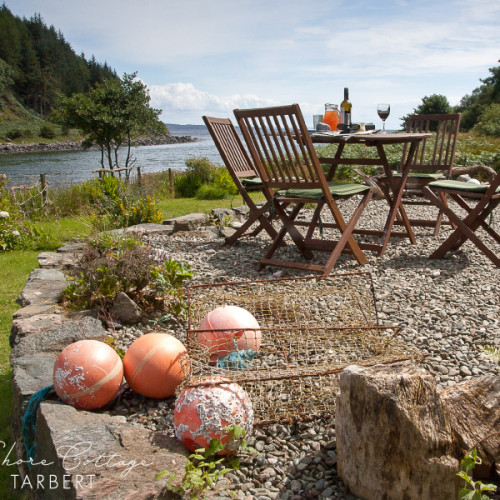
[{"x": 383, "y": 111}]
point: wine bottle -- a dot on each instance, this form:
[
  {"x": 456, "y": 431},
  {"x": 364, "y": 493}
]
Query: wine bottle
[{"x": 345, "y": 109}]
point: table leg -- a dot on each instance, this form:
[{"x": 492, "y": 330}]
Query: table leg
[{"x": 395, "y": 203}]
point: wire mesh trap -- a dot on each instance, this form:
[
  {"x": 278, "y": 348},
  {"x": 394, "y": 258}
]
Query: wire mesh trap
[{"x": 309, "y": 330}]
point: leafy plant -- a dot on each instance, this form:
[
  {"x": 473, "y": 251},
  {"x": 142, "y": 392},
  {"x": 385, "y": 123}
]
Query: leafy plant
[
  {"x": 204, "y": 469},
  {"x": 167, "y": 279},
  {"x": 473, "y": 490},
  {"x": 112, "y": 264},
  {"x": 493, "y": 352}
]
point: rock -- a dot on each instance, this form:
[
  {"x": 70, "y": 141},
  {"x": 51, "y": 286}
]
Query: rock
[
  {"x": 75, "y": 247},
  {"x": 474, "y": 181},
  {"x": 474, "y": 410},
  {"x": 54, "y": 339},
  {"x": 146, "y": 229},
  {"x": 102, "y": 455},
  {"x": 56, "y": 260},
  {"x": 189, "y": 222},
  {"x": 34, "y": 310},
  {"x": 33, "y": 325},
  {"x": 393, "y": 437},
  {"x": 29, "y": 374},
  {"x": 125, "y": 310},
  {"x": 221, "y": 213},
  {"x": 43, "y": 286}
]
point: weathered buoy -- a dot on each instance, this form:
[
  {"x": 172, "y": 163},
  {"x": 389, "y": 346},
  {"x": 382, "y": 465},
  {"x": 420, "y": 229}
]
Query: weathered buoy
[
  {"x": 205, "y": 412},
  {"x": 87, "y": 374}
]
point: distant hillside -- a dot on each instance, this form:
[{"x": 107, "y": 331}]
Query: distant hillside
[{"x": 37, "y": 64}]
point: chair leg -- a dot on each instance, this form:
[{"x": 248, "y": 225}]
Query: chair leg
[
  {"x": 347, "y": 237},
  {"x": 258, "y": 214},
  {"x": 465, "y": 229},
  {"x": 288, "y": 227}
]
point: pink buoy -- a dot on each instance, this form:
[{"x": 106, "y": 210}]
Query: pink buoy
[
  {"x": 87, "y": 374},
  {"x": 242, "y": 330},
  {"x": 203, "y": 413}
]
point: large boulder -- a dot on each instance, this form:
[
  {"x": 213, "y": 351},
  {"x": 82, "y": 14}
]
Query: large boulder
[
  {"x": 474, "y": 411},
  {"x": 394, "y": 440}
]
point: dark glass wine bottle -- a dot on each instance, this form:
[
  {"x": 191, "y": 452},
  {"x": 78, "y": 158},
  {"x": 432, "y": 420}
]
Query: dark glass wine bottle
[{"x": 345, "y": 109}]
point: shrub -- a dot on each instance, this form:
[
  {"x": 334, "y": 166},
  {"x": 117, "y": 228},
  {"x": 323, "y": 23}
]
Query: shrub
[
  {"x": 200, "y": 167},
  {"x": 204, "y": 180},
  {"x": 223, "y": 180},
  {"x": 113, "y": 264},
  {"x": 210, "y": 192},
  {"x": 186, "y": 185},
  {"x": 14, "y": 133},
  {"x": 489, "y": 121},
  {"x": 47, "y": 131}
]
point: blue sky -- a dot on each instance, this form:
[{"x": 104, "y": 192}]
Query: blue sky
[{"x": 211, "y": 56}]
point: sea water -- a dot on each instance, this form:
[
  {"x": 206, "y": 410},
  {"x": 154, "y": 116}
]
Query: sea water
[{"x": 66, "y": 167}]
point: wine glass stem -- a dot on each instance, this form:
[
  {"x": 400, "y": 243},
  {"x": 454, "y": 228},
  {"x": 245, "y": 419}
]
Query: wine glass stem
[{"x": 383, "y": 128}]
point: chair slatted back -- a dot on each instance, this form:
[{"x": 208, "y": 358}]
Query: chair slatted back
[
  {"x": 230, "y": 147},
  {"x": 439, "y": 156},
  {"x": 281, "y": 146}
]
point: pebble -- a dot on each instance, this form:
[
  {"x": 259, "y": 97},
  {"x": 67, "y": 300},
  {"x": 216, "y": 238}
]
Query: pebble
[{"x": 447, "y": 308}]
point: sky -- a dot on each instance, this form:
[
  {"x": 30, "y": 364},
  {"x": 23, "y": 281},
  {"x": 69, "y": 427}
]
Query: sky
[{"x": 208, "y": 57}]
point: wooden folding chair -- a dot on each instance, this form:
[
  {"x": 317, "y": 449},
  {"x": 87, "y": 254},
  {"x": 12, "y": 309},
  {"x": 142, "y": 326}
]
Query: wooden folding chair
[
  {"x": 433, "y": 160},
  {"x": 239, "y": 166},
  {"x": 284, "y": 155},
  {"x": 486, "y": 199}
]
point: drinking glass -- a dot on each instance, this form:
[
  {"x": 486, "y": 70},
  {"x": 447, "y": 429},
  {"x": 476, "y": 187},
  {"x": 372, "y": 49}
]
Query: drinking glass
[{"x": 383, "y": 111}]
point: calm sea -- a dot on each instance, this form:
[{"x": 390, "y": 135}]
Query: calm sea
[{"x": 62, "y": 168}]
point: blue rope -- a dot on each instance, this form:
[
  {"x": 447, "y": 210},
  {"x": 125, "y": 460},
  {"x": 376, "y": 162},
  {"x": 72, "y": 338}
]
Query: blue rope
[
  {"x": 28, "y": 429},
  {"x": 237, "y": 360}
]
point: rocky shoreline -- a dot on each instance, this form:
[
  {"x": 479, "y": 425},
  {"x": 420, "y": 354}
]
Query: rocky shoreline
[{"x": 24, "y": 147}]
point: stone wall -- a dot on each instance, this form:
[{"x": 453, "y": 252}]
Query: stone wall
[{"x": 79, "y": 454}]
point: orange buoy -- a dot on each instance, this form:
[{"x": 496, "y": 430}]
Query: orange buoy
[
  {"x": 155, "y": 364},
  {"x": 87, "y": 374},
  {"x": 204, "y": 412},
  {"x": 242, "y": 331}
]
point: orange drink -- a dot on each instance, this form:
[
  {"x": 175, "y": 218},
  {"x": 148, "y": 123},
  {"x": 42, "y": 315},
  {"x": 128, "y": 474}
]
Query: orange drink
[{"x": 331, "y": 117}]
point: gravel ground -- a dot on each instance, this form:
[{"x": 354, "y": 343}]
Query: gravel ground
[{"x": 447, "y": 308}]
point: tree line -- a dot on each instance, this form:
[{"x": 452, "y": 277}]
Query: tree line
[
  {"x": 38, "y": 65},
  {"x": 480, "y": 109}
]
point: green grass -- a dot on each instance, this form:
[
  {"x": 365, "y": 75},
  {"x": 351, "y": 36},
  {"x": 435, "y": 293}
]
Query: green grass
[
  {"x": 14, "y": 270},
  {"x": 176, "y": 207}
]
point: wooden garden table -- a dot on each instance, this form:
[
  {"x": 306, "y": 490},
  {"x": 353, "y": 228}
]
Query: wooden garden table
[{"x": 378, "y": 141}]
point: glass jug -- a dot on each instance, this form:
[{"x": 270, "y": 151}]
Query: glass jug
[{"x": 332, "y": 116}]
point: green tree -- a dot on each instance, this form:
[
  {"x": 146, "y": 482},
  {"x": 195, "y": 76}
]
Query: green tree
[
  {"x": 112, "y": 115},
  {"x": 472, "y": 105},
  {"x": 433, "y": 104}
]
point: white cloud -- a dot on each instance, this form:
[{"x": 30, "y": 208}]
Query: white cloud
[{"x": 174, "y": 98}]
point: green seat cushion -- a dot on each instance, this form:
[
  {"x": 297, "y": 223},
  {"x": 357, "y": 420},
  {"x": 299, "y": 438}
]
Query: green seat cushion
[
  {"x": 251, "y": 181},
  {"x": 466, "y": 187},
  {"x": 336, "y": 188},
  {"x": 427, "y": 175}
]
